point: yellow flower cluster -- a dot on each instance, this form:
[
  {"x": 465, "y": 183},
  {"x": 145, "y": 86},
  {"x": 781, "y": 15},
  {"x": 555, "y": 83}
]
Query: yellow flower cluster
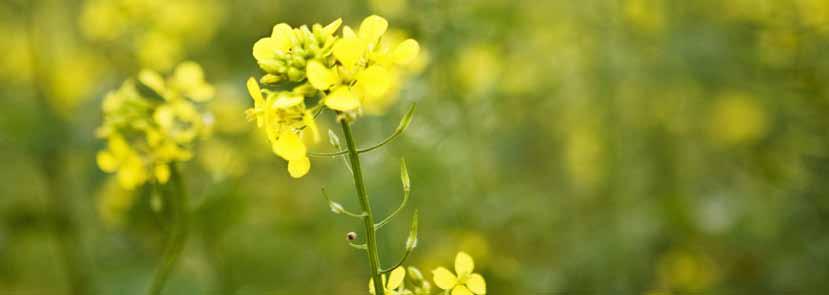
[
  {"x": 151, "y": 122},
  {"x": 341, "y": 73},
  {"x": 462, "y": 282}
]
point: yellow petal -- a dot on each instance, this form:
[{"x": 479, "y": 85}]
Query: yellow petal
[
  {"x": 342, "y": 99},
  {"x": 131, "y": 173},
  {"x": 396, "y": 278},
  {"x": 444, "y": 279},
  {"x": 152, "y": 79},
  {"x": 332, "y": 27},
  {"x": 289, "y": 146},
  {"x": 254, "y": 91},
  {"x": 282, "y": 36},
  {"x": 264, "y": 49},
  {"x": 476, "y": 283},
  {"x": 299, "y": 167},
  {"x": 372, "y": 28},
  {"x": 320, "y": 76},
  {"x": 118, "y": 146},
  {"x": 308, "y": 119},
  {"x": 349, "y": 50},
  {"x": 162, "y": 173},
  {"x": 375, "y": 80},
  {"x": 371, "y": 286},
  {"x": 405, "y": 52},
  {"x": 106, "y": 161},
  {"x": 464, "y": 264},
  {"x": 461, "y": 290},
  {"x": 348, "y": 33}
]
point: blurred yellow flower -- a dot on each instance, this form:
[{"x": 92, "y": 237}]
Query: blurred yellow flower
[
  {"x": 151, "y": 122},
  {"x": 463, "y": 281},
  {"x": 737, "y": 118}
]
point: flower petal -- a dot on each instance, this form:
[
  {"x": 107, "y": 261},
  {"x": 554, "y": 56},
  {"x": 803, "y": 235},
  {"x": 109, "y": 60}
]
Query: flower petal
[
  {"x": 348, "y": 33},
  {"x": 372, "y": 28},
  {"x": 342, "y": 99},
  {"x": 396, "y": 278},
  {"x": 320, "y": 76},
  {"x": 106, "y": 161},
  {"x": 375, "y": 80},
  {"x": 349, "y": 50},
  {"x": 332, "y": 27},
  {"x": 254, "y": 91},
  {"x": 464, "y": 264},
  {"x": 444, "y": 278},
  {"x": 289, "y": 146},
  {"x": 461, "y": 290},
  {"x": 299, "y": 167},
  {"x": 162, "y": 173},
  {"x": 405, "y": 52},
  {"x": 282, "y": 36},
  {"x": 264, "y": 49},
  {"x": 476, "y": 283}
]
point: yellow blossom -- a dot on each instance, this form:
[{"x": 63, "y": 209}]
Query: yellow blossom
[
  {"x": 151, "y": 122},
  {"x": 463, "y": 281}
]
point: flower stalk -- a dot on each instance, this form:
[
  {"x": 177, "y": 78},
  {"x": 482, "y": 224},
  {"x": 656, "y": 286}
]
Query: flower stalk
[
  {"x": 368, "y": 219},
  {"x": 175, "y": 197}
]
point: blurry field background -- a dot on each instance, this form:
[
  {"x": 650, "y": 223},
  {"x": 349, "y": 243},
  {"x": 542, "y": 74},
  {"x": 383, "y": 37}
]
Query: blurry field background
[{"x": 571, "y": 147}]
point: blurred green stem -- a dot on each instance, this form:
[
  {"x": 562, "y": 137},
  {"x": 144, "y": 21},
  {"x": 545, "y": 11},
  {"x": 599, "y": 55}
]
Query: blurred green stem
[
  {"x": 175, "y": 198},
  {"x": 368, "y": 219},
  {"x": 50, "y": 141}
]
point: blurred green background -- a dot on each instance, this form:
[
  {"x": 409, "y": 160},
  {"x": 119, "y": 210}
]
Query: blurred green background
[{"x": 571, "y": 147}]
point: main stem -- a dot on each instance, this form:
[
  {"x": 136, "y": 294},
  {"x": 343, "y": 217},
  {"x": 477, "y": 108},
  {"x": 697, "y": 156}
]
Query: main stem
[
  {"x": 368, "y": 220},
  {"x": 176, "y": 202}
]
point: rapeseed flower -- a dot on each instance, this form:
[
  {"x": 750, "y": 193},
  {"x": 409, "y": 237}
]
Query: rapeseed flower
[
  {"x": 151, "y": 122},
  {"x": 463, "y": 281},
  {"x": 312, "y": 69}
]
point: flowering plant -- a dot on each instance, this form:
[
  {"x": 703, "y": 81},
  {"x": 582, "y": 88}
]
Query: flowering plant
[{"x": 309, "y": 70}]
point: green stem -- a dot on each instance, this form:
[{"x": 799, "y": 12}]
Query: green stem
[
  {"x": 368, "y": 220},
  {"x": 176, "y": 202}
]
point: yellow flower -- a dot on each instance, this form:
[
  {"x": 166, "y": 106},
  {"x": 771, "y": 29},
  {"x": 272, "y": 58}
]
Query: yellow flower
[
  {"x": 284, "y": 117},
  {"x": 151, "y": 122},
  {"x": 465, "y": 282},
  {"x": 395, "y": 283},
  {"x": 286, "y": 52},
  {"x": 120, "y": 158},
  {"x": 364, "y": 70},
  {"x": 345, "y": 71}
]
